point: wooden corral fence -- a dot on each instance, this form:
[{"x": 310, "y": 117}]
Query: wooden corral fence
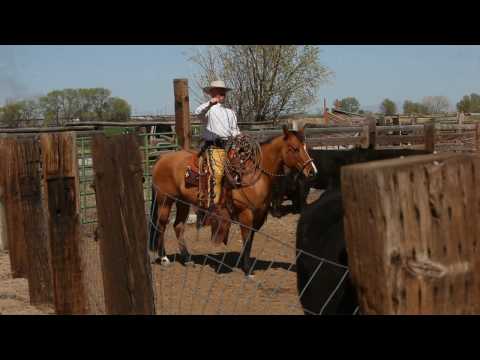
[
  {"x": 111, "y": 272},
  {"x": 39, "y": 174},
  {"x": 411, "y": 242}
]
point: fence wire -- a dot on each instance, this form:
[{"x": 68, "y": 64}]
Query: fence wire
[{"x": 211, "y": 282}]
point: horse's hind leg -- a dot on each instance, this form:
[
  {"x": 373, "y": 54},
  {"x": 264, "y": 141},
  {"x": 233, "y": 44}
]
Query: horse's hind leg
[
  {"x": 164, "y": 204},
  {"x": 179, "y": 226}
]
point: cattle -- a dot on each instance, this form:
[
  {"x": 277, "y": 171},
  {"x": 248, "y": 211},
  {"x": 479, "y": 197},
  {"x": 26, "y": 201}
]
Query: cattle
[
  {"x": 320, "y": 233},
  {"x": 293, "y": 186}
]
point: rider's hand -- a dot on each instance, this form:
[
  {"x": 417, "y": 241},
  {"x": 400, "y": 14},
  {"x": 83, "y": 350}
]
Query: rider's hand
[{"x": 213, "y": 101}]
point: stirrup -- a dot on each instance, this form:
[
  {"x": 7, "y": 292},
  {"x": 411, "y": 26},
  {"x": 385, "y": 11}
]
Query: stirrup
[{"x": 201, "y": 217}]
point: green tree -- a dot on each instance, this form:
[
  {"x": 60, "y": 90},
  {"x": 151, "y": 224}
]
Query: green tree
[
  {"x": 410, "y": 107},
  {"x": 388, "y": 107},
  {"x": 90, "y": 104},
  {"x": 51, "y": 106},
  {"x": 267, "y": 80},
  {"x": 117, "y": 110},
  {"x": 469, "y": 103},
  {"x": 349, "y": 104},
  {"x": 11, "y": 114}
]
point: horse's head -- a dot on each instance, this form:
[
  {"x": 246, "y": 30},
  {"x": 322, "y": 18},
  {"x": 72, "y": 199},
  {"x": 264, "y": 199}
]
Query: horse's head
[{"x": 295, "y": 154}]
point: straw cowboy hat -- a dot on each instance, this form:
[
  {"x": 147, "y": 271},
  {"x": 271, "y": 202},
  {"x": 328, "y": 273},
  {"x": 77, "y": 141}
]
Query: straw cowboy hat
[{"x": 219, "y": 84}]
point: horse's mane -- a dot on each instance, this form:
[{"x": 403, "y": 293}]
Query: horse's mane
[{"x": 300, "y": 137}]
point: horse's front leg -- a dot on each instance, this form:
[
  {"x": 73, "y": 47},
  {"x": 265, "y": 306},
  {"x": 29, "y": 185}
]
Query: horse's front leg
[{"x": 245, "y": 261}]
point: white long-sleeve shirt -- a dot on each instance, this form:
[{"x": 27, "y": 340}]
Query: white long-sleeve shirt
[{"x": 221, "y": 122}]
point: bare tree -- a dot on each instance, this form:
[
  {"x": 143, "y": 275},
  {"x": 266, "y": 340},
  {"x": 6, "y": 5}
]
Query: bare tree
[
  {"x": 267, "y": 80},
  {"x": 436, "y": 104}
]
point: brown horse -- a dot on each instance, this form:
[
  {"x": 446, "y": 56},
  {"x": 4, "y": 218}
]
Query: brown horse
[{"x": 249, "y": 204}]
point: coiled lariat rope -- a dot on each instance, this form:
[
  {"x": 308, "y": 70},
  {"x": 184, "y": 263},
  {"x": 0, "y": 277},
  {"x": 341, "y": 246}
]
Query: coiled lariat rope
[{"x": 244, "y": 157}]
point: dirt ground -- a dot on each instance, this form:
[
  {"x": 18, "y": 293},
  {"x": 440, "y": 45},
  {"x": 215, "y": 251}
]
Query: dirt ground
[
  {"x": 14, "y": 298},
  {"x": 204, "y": 287}
]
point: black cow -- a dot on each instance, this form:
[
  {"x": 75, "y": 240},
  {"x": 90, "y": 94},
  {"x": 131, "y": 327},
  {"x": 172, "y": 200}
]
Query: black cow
[
  {"x": 320, "y": 232},
  {"x": 296, "y": 188},
  {"x": 293, "y": 186},
  {"x": 330, "y": 162}
]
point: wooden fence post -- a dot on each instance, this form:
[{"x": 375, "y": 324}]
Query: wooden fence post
[
  {"x": 14, "y": 215},
  {"x": 182, "y": 113},
  {"x": 34, "y": 220},
  {"x": 62, "y": 188},
  {"x": 477, "y": 136},
  {"x": 122, "y": 222},
  {"x": 411, "y": 245},
  {"x": 396, "y": 122},
  {"x": 365, "y": 134},
  {"x": 3, "y": 221},
  {"x": 372, "y": 132},
  {"x": 295, "y": 125},
  {"x": 429, "y": 133}
]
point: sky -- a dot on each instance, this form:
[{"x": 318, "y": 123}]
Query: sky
[{"x": 143, "y": 74}]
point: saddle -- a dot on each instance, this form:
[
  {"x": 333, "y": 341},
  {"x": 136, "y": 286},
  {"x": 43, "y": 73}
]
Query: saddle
[
  {"x": 192, "y": 174},
  {"x": 197, "y": 175},
  {"x": 239, "y": 171}
]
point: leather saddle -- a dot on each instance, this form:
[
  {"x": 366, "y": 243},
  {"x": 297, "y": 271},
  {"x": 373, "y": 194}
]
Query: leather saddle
[
  {"x": 192, "y": 173},
  {"x": 197, "y": 173}
]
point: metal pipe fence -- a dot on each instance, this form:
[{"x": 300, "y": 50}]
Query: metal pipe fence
[{"x": 151, "y": 146}]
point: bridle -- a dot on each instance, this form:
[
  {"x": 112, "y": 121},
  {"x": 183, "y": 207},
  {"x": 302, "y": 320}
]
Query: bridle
[
  {"x": 300, "y": 168},
  {"x": 296, "y": 153}
]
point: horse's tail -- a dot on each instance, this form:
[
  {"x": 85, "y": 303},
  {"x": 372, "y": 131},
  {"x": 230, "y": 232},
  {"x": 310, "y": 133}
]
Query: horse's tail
[{"x": 153, "y": 233}]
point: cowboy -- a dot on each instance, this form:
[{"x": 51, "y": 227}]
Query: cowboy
[{"x": 221, "y": 124}]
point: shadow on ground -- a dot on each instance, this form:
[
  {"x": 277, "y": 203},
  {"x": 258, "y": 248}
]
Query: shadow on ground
[{"x": 224, "y": 262}]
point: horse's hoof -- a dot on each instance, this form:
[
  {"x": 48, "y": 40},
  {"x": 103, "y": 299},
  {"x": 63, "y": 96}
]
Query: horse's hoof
[
  {"x": 153, "y": 258},
  {"x": 251, "y": 277},
  {"x": 189, "y": 263},
  {"x": 164, "y": 261}
]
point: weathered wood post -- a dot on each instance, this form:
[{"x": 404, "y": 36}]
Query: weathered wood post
[
  {"x": 127, "y": 277},
  {"x": 3, "y": 215},
  {"x": 14, "y": 216},
  {"x": 365, "y": 134},
  {"x": 295, "y": 124},
  {"x": 372, "y": 132},
  {"x": 182, "y": 113},
  {"x": 411, "y": 243},
  {"x": 61, "y": 184},
  {"x": 3, "y": 221},
  {"x": 396, "y": 122},
  {"x": 460, "y": 121},
  {"x": 32, "y": 201},
  {"x": 429, "y": 133},
  {"x": 477, "y": 136}
]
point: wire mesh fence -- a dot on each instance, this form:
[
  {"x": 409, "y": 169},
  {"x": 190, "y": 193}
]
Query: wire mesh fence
[{"x": 210, "y": 282}]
